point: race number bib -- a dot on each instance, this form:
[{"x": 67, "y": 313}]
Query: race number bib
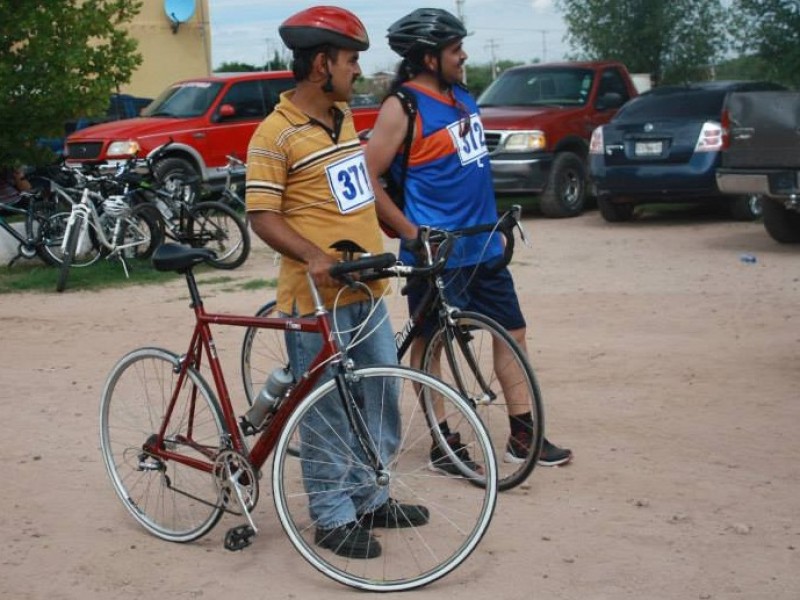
[
  {"x": 472, "y": 146},
  {"x": 349, "y": 183}
]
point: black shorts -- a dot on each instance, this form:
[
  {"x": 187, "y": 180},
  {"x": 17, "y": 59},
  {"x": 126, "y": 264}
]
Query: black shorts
[{"x": 479, "y": 289}]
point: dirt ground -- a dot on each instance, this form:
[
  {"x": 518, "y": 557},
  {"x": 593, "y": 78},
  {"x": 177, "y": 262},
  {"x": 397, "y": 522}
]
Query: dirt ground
[{"x": 668, "y": 365}]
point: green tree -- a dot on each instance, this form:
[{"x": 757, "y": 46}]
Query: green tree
[
  {"x": 673, "y": 40},
  {"x": 480, "y": 76},
  {"x": 59, "y": 60},
  {"x": 277, "y": 64},
  {"x": 235, "y": 67},
  {"x": 771, "y": 30}
]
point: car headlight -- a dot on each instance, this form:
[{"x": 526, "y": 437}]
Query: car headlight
[
  {"x": 123, "y": 148},
  {"x": 525, "y": 141}
]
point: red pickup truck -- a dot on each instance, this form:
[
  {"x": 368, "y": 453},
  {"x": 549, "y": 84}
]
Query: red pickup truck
[
  {"x": 206, "y": 119},
  {"x": 538, "y": 120}
]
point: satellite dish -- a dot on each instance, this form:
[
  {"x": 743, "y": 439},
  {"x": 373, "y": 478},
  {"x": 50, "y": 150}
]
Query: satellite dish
[{"x": 178, "y": 11}]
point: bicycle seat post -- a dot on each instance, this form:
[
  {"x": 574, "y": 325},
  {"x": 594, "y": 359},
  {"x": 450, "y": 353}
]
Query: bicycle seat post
[{"x": 319, "y": 306}]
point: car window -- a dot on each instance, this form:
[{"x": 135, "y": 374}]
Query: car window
[
  {"x": 190, "y": 99},
  {"x": 705, "y": 104},
  {"x": 611, "y": 81},
  {"x": 273, "y": 88},
  {"x": 246, "y": 99},
  {"x": 536, "y": 87}
]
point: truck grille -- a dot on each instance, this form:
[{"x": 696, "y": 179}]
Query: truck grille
[
  {"x": 492, "y": 139},
  {"x": 84, "y": 150}
]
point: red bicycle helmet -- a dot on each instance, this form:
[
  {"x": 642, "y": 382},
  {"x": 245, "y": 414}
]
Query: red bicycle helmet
[{"x": 324, "y": 25}]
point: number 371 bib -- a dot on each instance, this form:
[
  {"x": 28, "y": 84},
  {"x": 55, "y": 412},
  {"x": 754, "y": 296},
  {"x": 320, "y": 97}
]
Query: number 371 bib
[{"x": 349, "y": 183}]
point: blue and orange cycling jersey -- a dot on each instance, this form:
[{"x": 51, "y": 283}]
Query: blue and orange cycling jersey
[{"x": 448, "y": 184}]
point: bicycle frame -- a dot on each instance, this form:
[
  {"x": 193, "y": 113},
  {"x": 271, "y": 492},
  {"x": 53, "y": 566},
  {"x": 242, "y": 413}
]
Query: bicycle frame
[
  {"x": 202, "y": 343},
  {"x": 86, "y": 212}
]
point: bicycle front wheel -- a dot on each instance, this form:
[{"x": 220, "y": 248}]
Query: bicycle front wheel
[
  {"x": 407, "y": 557},
  {"x": 53, "y": 230},
  {"x": 169, "y": 497},
  {"x": 479, "y": 358},
  {"x": 217, "y": 227},
  {"x": 73, "y": 235}
]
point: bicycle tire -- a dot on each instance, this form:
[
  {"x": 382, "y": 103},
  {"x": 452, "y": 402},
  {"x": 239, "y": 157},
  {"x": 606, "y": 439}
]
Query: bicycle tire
[
  {"x": 459, "y": 513},
  {"x": 263, "y": 351},
  {"x": 52, "y": 237},
  {"x": 482, "y": 337},
  {"x": 73, "y": 234},
  {"x": 217, "y": 227},
  {"x": 36, "y": 227},
  {"x": 142, "y": 228},
  {"x": 171, "y": 500}
]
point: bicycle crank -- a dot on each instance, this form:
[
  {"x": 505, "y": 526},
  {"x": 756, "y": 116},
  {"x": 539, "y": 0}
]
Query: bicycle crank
[{"x": 237, "y": 481}]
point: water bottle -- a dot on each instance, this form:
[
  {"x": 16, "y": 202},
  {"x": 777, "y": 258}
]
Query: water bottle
[{"x": 269, "y": 397}]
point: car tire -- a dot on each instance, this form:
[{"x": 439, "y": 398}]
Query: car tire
[
  {"x": 565, "y": 195},
  {"x": 615, "y": 212},
  {"x": 746, "y": 207},
  {"x": 783, "y": 225},
  {"x": 178, "y": 170}
]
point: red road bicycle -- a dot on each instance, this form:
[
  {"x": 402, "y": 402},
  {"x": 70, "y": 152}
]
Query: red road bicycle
[{"x": 179, "y": 461}]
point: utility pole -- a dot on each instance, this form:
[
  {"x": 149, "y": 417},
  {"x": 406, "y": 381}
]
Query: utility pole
[
  {"x": 544, "y": 33},
  {"x": 491, "y": 46}
]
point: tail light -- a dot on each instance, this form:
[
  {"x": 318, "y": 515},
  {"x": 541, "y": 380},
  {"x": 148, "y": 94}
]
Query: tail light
[
  {"x": 726, "y": 129},
  {"x": 596, "y": 143},
  {"x": 710, "y": 139}
]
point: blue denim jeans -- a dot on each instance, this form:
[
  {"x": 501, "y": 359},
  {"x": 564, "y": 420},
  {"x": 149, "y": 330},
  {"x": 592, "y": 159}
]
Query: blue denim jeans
[{"x": 339, "y": 488}]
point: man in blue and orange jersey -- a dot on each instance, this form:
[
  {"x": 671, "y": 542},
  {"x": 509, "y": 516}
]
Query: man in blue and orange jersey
[{"x": 447, "y": 185}]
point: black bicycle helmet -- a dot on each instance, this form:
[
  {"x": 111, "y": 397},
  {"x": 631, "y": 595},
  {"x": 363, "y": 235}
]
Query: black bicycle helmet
[
  {"x": 324, "y": 25},
  {"x": 423, "y": 30}
]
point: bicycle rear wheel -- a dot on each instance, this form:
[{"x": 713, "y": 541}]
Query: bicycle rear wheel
[
  {"x": 217, "y": 227},
  {"x": 459, "y": 512},
  {"x": 481, "y": 360},
  {"x": 169, "y": 498}
]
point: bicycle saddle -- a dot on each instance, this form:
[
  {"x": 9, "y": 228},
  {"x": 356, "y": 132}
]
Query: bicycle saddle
[{"x": 174, "y": 257}]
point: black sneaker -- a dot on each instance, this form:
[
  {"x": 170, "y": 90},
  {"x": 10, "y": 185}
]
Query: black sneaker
[
  {"x": 518, "y": 448},
  {"x": 440, "y": 461},
  {"x": 552, "y": 455},
  {"x": 350, "y": 540},
  {"x": 393, "y": 515}
]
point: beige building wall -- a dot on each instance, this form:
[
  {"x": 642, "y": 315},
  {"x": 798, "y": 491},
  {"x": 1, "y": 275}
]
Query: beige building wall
[{"x": 166, "y": 56}]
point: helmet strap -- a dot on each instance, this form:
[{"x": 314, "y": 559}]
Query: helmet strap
[{"x": 327, "y": 87}]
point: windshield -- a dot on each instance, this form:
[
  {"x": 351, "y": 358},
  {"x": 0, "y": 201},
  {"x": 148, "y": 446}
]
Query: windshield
[
  {"x": 190, "y": 99},
  {"x": 678, "y": 104},
  {"x": 538, "y": 87}
]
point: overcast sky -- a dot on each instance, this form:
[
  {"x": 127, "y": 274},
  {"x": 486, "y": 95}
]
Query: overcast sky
[{"x": 523, "y": 30}]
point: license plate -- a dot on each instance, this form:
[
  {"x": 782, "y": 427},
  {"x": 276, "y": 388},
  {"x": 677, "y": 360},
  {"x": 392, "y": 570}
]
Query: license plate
[{"x": 648, "y": 148}]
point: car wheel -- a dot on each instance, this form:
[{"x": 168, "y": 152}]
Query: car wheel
[
  {"x": 746, "y": 208},
  {"x": 565, "y": 195},
  {"x": 783, "y": 225},
  {"x": 615, "y": 212},
  {"x": 173, "y": 172}
]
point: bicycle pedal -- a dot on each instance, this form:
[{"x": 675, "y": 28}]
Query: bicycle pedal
[{"x": 239, "y": 538}]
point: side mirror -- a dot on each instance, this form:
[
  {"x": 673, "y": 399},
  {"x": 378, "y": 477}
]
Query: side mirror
[
  {"x": 609, "y": 100},
  {"x": 226, "y": 111}
]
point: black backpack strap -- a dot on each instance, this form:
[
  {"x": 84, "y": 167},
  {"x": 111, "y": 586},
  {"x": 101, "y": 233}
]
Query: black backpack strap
[{"x": 409, "y": 103}]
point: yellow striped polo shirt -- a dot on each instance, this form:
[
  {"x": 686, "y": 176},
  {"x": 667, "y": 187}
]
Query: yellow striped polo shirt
[{"x": 321, "y": 188}]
